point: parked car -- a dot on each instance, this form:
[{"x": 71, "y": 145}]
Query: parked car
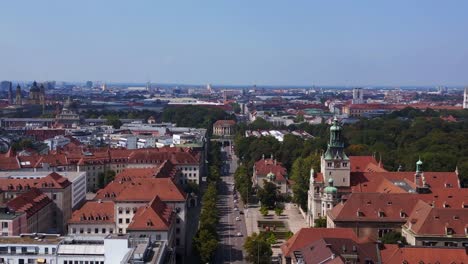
[
  {"x": 238, "y": 218},
  {"x": 239, "y": 234}
]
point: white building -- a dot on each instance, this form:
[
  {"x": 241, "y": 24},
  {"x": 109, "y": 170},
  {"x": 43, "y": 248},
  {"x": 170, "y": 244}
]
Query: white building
[
  {"x": 57, "y": 142},
  {"x": 111, "y": 249},
  {"x": 358, "y": 96}
]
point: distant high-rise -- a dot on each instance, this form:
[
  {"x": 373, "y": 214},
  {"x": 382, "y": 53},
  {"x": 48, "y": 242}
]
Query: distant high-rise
[
  {"x": 10, "y": 94},
  {"x": 4, "y": 85},
  {"x": 104, "y": 87},
  {"x": 19, "y": 97},
  {"x": 89, "y": 84},
  {"x": 465, "y": 98},
  {"x": 358, "y": 96}
]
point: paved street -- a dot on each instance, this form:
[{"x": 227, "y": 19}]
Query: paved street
[{"x": 230, "y": 248}]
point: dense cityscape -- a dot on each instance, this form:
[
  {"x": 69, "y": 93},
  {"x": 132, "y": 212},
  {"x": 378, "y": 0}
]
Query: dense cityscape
[{"x": 212, "y": 132}]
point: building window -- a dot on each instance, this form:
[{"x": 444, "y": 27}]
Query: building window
[
  {"x": 81, "y": 230},
  {"x": 127, "y": 220},
  {"x": 96, "y": 230},
  {"x": 120, "y": 230},
  {"x": 158, "y": 237},
  {"x": 451, "y": 244},
  {"x": 177, "y": 242},
  {"x": 103, "y": 231},
  {"x": 127, "y": 210},
  {"x": 382, "y": 232},
  {"x": 120, "y": 210},
  {"x": 329, "y": 164},
  {"x": 46, "y": 250},
  {"x": 177, "y": 230},
  {"x": 54, "y": 196},
  {"x": 345, "y": 164},
  {"x": 120, "y": 221},
  {"x": 177, "y": 221}
]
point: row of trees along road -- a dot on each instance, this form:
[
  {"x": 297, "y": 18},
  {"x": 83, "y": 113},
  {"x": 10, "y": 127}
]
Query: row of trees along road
[{"x": 205, "y": 241}]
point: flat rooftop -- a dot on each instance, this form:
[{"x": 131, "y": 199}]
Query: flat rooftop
[{"x": 25, "y": 240}]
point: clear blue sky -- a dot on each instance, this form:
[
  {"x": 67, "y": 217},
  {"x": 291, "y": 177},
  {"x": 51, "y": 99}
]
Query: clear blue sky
[{"x": 236, "y": 42}]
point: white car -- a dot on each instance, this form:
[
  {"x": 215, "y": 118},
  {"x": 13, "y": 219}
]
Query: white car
[
  {"x": 238, "y": 218},
  {"x": 236, "y": 209},
  {"x": 239, "y": 234},
  {"x": 235, "y": 201}
]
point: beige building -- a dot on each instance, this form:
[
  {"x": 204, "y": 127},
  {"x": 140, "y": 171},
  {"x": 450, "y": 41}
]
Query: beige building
[{"x": 224, "y": 127}]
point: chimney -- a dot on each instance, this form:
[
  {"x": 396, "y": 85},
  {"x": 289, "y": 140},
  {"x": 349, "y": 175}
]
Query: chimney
[{"x": 380, "y": 244}]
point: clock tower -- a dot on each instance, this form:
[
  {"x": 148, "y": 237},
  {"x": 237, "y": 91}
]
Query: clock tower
[{"x": 334, "y": 163}]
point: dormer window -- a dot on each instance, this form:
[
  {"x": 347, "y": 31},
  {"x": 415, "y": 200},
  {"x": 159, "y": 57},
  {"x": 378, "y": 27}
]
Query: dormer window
[
  {"x": 403, "y": 214},
  {"x": 449, "y": 231},
  {"x": 360, "y": 213},
  {"x": 149, "y": 223},
  {"x": 381, "y": 214}
]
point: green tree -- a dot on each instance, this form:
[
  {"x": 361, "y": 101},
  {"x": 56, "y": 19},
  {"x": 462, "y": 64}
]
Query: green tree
[
  {"x": 114, "y": 121},
  {"x": 278, "y": 211},
  {"x": 393, "y": 238},
  {"x": 205, "y": 244},
  {"x": 268, "y": 195},
  {"x": 271, "y": 238},
  {"x": 105, "y": 178},
  {"x": 264, "y": 210},
  {"x": 320, "y": 222},
  {"x": 300, "y": 174},
  {"x": 258, "y": 249}
]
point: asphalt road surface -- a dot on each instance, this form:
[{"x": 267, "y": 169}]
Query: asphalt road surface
[{"x": 230, "y": 248}]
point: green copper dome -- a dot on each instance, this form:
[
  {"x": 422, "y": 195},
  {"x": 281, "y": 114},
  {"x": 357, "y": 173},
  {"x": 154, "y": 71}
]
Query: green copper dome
[{"x": 330, "y": 188}]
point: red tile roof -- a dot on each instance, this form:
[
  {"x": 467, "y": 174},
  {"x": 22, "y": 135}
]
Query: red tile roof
[
  {"x": 163, "y": 170},
  {"x": 154, "y": 216},
  {"x": 177, "y": 156},
  {"x": 29, "y": 202},
  {"x": 322, "y": 249},
  {"x": 94, "y": 212},
  {"x": 385, "y": 181},
  {"x": 395, "y": 254},
  {"x": 365, "y": 164},
  {"x": 142, "y": 189},
  {"x": 375, "y": 207},
  {"x": 307, "y": 235},
  {"x": 265, "y": 166},
  {"x": 51, "y": 181},
  {"x": 428, "y": 221},
  {"x": 224, "y": 123}
]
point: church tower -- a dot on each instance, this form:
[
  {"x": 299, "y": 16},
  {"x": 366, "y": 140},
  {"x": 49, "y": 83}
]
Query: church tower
[
  {"x": 334, "y": 162},
  {"x": 10, "y": 94},
  {"x": 19, "y": 98}
]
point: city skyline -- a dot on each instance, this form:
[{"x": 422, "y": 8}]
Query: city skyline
[{"x": 266, "y": 43}]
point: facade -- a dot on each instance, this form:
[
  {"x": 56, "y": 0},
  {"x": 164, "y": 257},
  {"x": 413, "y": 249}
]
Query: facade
[
  {"x": 131, "y": 194},
  {"x": 372, "y": 215},
  {"x": 271, "y": 171},
  {"x": 224, "y": 127},
  {"x": 110, "y": 249},
  {"x": 38, "y": 209},
  {"x": 67, "y": 118},
  {"x": 56, "y": 187},
  {"x": 436, "y": 227}
]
